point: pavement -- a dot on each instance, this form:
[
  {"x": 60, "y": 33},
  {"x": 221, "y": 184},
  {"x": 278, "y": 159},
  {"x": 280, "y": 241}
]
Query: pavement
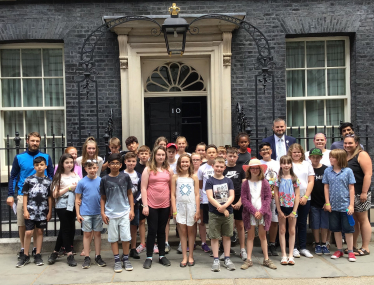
[{"x": 317, "y": 270}]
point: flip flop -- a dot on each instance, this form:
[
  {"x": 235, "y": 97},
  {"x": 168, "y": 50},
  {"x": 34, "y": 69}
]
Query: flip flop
[
  {"x": 183, "y": 264},
  {"x": 364, "y": 252},
  {"x": 191, "y": 263}
]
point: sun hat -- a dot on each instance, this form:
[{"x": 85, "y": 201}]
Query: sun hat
[{"x": 255, "y": 162}]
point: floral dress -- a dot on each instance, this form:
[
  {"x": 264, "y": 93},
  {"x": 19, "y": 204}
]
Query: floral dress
[{"x": 287, "y": 191}]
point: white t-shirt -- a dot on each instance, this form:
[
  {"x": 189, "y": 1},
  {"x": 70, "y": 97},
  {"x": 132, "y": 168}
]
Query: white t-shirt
[
  {"x": 135, "y": 181},
  {"x": 177, "y": 155},
  {"x": 255, "y": 189},
  {"x": 174, "y": 167},
  {"x": 204, "y": 173},
  {"x": 325, "y": 158},
  {"x": 303, "y": 171}
]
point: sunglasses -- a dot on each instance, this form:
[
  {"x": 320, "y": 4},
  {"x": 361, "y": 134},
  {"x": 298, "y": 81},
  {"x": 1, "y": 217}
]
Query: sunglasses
[{"x": 92, "y": 161}]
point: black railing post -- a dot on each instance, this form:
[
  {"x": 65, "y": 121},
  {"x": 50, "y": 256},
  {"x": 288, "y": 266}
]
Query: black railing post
[
  {"x": 332, "y": 134},
  {"x": 299, "y": 137},
  {"x": 45, "y": 143}
]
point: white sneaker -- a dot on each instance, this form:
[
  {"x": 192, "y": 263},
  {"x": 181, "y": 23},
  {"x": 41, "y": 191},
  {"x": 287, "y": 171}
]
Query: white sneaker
[
  {"x": 243, "y": 254},
  {"x": 306, "y": 253},
  {"x": 296, "y": 253}
]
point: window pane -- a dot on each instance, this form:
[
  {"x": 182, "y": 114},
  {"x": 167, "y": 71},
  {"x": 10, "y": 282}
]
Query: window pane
[
  {"x": 295, "y": 55},
  {"x": 56, "y": 152},
  {"x": 335, "y": 53},
  {"x": 35, "y": 122},
  {"x": 55, "y": 122},
  {"x": 32, "y": 93},
  {"x": 54, "y": 92},
  {"x": 295, "y": 113},
  {"x": 13, "y": 122},
  {"x": 31, "y": 62},
  {"x": 11, "y": 92},
  {"x": 311, "y": 133},
  {"x": 315, "y": 113},
  {"x": 315, "y": 54},
  {"x": 316, "y": 82},
  {"x": 334, "y": 112},
  {"x": 336, "y": 81},
  {"x": 10, "y": 63},
  {"x": 295, "y": 83},
  {"x": 52, "y": 62}
]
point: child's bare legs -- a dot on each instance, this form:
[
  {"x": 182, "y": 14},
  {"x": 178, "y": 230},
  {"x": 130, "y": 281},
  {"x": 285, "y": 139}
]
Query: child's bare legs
[
  {"x": 87, "y": 237},
  {"x": 142, "y": 231},
  {"x": 363, "y": 227},
  {"x": 338, "y": 240},
  {"x": 316, "y": 236},
  {"x": 226, "y": 245},
  {"x": 291, "y": 233},
  {"x": 115, "y": 249},
  {"x": 89, "y": 247},
  {"x": 133, "y": 230},
  {"x": 27, "y": 241},
  {"x": 39, "y": 240},
  {"x": 273, "y": 232},
  {"x": 182, "y": 230},
  {"x": 97, "y": 241},
  {"x": 191, "y": 241},
  {"x": 21, "y": 232},
  {"x": 250, "y": 238},
  {"x": 349, "y": 240},
  {"x": 240, "y": 228},
  {"x": 324, "y": 233},
  {"x": 126, "y": 247},
  {"x": 282, "y": 235},
  {"x": 264, "y": 243},
  {"x": 215, "y": 244}
]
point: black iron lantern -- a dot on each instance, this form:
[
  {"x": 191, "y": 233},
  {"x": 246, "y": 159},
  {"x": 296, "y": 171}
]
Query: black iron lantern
[{"x": 175, "y": 30}]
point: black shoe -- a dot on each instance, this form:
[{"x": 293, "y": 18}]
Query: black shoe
[
  {"x": 147, "y": 263},
  {"x": 134, "y": 254},
  {"x": 52, "y": 258},
  {"x": 234, "y": 237},
  {"x": 62, "y": 252},
  {"x": 71, "y": 260},
  {"x": 33, "y": 252},
  {"x": 176, "y": 233},
  {"x": 99, "y": 261},
  {"x": 38, "y": 260},
  {"x": 164, "y": 261},
  {"x": 23, "y": 260},
  {"x": 86, "y": 263},
  {"x": 273, "y": 250},
  {"x": 20, "y": 253}
]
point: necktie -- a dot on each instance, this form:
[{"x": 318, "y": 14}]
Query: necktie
[{"x": 281, "y": 150}]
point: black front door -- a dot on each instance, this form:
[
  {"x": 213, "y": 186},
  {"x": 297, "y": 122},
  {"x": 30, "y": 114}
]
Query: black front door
[{"x": 176, "y": 116}]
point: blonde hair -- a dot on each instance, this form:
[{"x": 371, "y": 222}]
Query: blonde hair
[
  {"x": 341, "y": 156},
  {"x": 286, "y": 159},
  {"x": 219, "y": 160},
  {"x": 248, "y": 174},
  {"x": 152, "y": 165},
  {"x": 298, "y": 147},
  {"x": 160, "y": 139},
  {"x": 179, "y": 167},
  {"x": 196, "y": 153},
  {"x": 84, "y": 149},
  {"x": 114, "y": 141},
  {"x": 181, "y": 138},
  {"x": 221, "y": 149}
]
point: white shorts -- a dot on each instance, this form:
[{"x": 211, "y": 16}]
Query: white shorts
[
  {"x": 274, "y": 216},
  {"x": 186, "y": 214},
  {"x": 256, "y": 223},
  {"x": 119, "y": 226}
]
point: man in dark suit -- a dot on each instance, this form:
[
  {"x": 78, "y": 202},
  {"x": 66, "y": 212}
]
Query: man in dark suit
[{"x": 279, "y": 142}]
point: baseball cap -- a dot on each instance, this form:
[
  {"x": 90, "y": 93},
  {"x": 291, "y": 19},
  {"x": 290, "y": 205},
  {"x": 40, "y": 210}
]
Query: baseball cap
[
  {"x": 171, "y": 145},
  {"x": 315, "y": 151}
]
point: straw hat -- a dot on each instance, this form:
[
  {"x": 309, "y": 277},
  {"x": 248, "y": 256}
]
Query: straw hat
[{"x": 255, "y": 162}]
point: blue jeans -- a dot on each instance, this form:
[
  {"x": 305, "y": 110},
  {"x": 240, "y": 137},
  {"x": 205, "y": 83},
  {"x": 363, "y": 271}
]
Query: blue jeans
[{"x": 302, "y": 212}]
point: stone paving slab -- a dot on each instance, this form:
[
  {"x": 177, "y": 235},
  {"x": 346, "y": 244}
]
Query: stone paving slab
[{"x": 60, "y": 273}]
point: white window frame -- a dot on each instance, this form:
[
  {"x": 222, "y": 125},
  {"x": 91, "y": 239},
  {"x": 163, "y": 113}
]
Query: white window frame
[
  {"x": 305, "y": 99},
  {"x": 4, "y": 167}
]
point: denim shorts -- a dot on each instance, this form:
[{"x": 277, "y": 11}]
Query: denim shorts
[
  {"x": 119, "y": 227},
  {"x": 135, "y": 220},
  {"x": 319, "y": 218},
  {"x": 338, "y": 221},
  {"x": 92, "y": 223}
]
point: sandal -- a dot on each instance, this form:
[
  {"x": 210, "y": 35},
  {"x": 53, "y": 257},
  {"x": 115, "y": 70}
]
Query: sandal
[
  {"x": 284, "y": 260},
  {"x": 291, "y": 261},
  {"x": 191, "y": 263},
  {"x": 355, "y": 251},
  {"x": 183, "y": 264},
  {"x": 363, "y": 252}
]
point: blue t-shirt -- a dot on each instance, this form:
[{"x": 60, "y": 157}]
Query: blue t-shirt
[
  {"x": 221, "y": 192},
  {"x": 115, "y": 190},
  {"x": 339, "y": 187},
  {"x": 90, "y": 190}
]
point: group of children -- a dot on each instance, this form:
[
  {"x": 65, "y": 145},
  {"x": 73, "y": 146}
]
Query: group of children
[{"x": 216, "y": 186}]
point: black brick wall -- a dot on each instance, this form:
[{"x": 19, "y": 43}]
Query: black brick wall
[{"x": 72, "y": 21}]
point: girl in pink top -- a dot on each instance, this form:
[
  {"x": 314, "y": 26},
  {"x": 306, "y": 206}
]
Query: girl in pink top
[{"x": 156, "y": 179}]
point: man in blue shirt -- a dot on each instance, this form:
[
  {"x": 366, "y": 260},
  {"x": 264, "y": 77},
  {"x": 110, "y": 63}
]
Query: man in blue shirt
[{"x": 22, "y": 168}]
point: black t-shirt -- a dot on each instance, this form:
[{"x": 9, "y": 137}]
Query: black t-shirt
[
  {"x": 236, "y": 174},
  {"x": 318, "y": 193},
  {"x": 221, "y": 188},
  {"x": 243, "y": 158},
  {"x": 139, "y": 167},
  {"x": 38, "y": 191}
]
